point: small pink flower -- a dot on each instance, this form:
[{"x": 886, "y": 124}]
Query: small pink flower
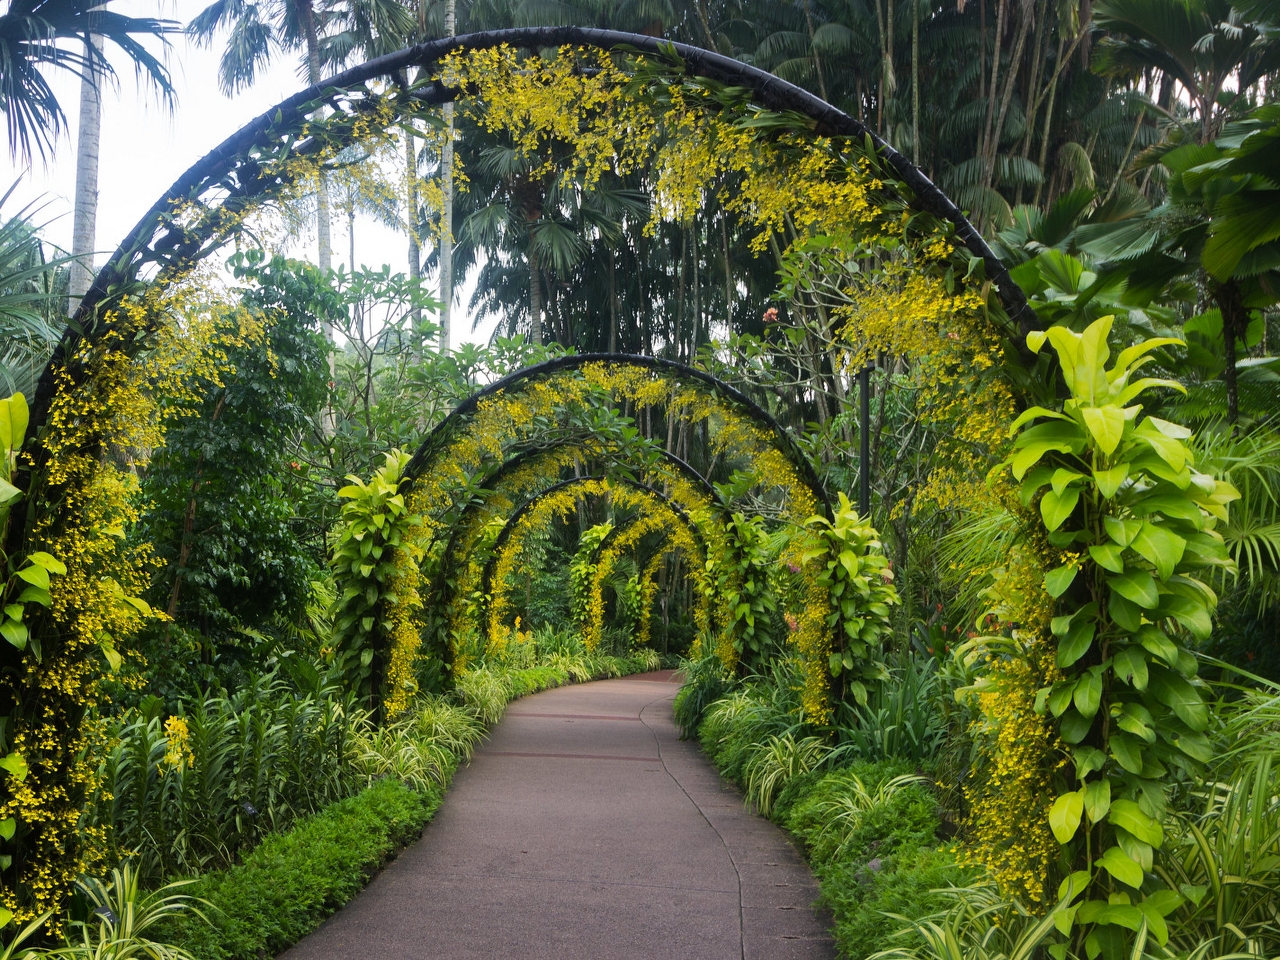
[
  {"x": 771, "y": 315},
  {"x": 792, "y": 622}
]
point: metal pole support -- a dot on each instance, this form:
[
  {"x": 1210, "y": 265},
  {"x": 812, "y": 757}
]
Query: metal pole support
[{"x": 864, "y": 441}]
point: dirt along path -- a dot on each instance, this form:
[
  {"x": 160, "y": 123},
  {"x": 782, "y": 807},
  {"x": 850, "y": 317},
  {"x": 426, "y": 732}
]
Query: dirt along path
[{"x": 584, "y": 828}]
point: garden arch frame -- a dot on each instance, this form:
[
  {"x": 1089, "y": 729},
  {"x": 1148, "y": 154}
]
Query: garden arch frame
[
  {"x": 594, "y": 485},
  {"x": 233, "y": 169},
  {"x": 248, "y": 167}
]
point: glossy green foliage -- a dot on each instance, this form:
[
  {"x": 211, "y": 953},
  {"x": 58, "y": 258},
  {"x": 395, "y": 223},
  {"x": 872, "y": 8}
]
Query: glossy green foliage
[
  {"x": 742, "y": 580},
  {"x": 237, "y": 557},
  {"x": 375, "y": 527},
  {"x": 582, "y": 571},
  {"x": 1134, "y": 520},
  {"x": 859, "y": 581},
  {"x": 182, "y": 799}
]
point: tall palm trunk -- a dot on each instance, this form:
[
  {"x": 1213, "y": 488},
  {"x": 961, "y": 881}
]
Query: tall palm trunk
[
  {"x": 446, "y": 212},
  {"x": 84, "y": 229},
  {"x": 307, "y": 19},
  {"x": 411, "y": 203},
  {"x": 915, "y": 82},
  {"x": 535, "y": 291}
]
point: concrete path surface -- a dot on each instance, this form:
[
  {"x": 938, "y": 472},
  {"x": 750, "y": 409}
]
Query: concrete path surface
[{"x": 584, "y": 828}]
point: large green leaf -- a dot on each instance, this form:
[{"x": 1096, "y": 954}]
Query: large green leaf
[
  {"x": 1176, "y": 693},
  {"x": 1055, "y": 508},
  {"x": 1127, "y": 751},
  {"x": 1106, "y": 424},
  {"x": 1137, "y": 586},
  {"x": 1114, "y": 861},
  {"x": 1097, "y": 800},
  {"x": 1057, "y": 581},
  {"x": 1191, "y": 614},
  {"x": 1088, "y": 693},
  {"x": 1077, "y": 641},
  {"x": 1064, "y": 815},
  {"x": 1108, "y": 556},
  {"x": 1129, "y": 816},
  {"x": 1109, "y": 481},
  {"x": 1161, "y": 546}
]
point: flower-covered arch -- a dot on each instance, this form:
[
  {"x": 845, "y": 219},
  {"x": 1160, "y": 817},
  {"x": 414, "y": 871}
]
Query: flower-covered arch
[{"x": 91, "y": 417}]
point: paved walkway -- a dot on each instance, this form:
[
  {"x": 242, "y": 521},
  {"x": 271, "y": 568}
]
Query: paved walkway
[{"x": 584, "y": 828}]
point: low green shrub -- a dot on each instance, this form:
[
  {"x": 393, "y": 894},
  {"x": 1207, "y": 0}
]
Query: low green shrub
[
  {"x": 865, "y": 811},
  {"x": 292, "y": 881}
]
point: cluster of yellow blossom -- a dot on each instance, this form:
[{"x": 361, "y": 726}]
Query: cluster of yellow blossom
[{"x": 102, "y": 424}]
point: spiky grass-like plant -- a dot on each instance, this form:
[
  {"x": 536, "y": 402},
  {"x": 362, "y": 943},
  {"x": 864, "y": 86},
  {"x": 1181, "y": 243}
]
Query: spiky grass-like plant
[{"x": 778, "y": 760}]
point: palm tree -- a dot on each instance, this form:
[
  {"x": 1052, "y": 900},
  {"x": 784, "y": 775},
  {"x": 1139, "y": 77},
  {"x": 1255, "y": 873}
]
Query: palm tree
[
  {"x": 1201, "y": 44},
  {"x": 257, "y": 31},
  {"x": 38, "y": 33},
  {"x": 31, "y": 291}
]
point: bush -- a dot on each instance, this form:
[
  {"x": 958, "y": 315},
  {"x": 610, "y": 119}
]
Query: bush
[
  {"x": 705, "y": 682},
  {"x": 292, "y": 881},
  {"x": 870, "y": 831}
]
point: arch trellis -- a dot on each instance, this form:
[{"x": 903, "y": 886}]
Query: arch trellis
[
  {"x": 87, "y": 390},
  {"x": 642, "y": 495},
  {"x": 627, "y": 535},
  {"x": 197, "y": 214},
  {"x": 487, "y": 451},
  {"x": 430, "y": 452},
  {"x": 494, "y": 497}
]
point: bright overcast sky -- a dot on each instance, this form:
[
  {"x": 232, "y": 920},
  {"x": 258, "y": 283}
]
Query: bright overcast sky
[{"x": 145, "y": 148}]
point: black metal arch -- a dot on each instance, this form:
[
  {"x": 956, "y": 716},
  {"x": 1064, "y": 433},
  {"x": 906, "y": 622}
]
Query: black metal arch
[
  {"x": 230, "y": 167},
  {"x": 435, "y": 441},
  {"x": 491, "y": 485},
  {"x": 509, "y": 528}
]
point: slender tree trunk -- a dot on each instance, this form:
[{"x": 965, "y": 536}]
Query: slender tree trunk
[
  {"x": 84, "y": 230},
  {"x": 915, "y": 82},
  {"x": 817, "y": 61},
  {"x": 680, "y": 290},
  {"x": 982, "y": 49},
  {"x": 446, "y": 212},
  {"x": 324, "y": 244},
  {"x": 411, "y": 203},
  {"x": 995, "y": 75},
  {"x": 885, "y": 68},
  {"x": 1048, "y": 122},
  {"x": 613, "y": 304},
  {"x": 993, "y": 146},
  {"x": 728, "y": 270},
  {"x": 697, "y": 297},
  {"x": 535, "y": 293},
  {"x": 351, "y": 235}
]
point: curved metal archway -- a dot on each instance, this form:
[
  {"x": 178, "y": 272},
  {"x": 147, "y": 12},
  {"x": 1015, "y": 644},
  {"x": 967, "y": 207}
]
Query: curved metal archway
[
  {"x": 523, "y": 459},
  {"x": 238, "y": 174},
  {"x": 509, "y": 527},
  {"x": 436, "y": 440}
]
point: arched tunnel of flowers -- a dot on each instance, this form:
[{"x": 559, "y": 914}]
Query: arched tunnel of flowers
[{"x": 684, "y": 516}]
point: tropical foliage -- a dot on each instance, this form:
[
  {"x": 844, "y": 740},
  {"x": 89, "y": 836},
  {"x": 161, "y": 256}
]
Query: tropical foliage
[{"x": 273, "y": 562}]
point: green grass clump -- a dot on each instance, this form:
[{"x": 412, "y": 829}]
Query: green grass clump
[
  {"x": 292, "y": 881},
  {"x": 870, "y": 830}
]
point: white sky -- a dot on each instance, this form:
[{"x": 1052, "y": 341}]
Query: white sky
[{"x": 145, "y": 149}]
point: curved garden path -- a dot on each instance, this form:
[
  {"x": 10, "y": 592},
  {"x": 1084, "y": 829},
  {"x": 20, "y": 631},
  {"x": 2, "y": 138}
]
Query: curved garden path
[{"x": 584, "y": 828}]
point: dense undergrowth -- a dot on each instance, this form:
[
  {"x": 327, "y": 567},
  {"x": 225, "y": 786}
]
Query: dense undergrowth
[{"x": 880, "y": 814}]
